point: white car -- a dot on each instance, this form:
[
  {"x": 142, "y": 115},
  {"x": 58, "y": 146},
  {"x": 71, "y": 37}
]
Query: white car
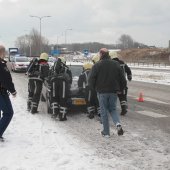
[{"x": 19, "y": 63}]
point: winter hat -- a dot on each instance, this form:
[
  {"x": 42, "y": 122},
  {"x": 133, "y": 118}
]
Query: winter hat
[
  {"x": 87, "y": 66},
  {"x": 96, "y": 58},
  {"x": 62, "y": 60},
  {"x": 113, "y": 54},
  {"x": 44, "y": 56}
]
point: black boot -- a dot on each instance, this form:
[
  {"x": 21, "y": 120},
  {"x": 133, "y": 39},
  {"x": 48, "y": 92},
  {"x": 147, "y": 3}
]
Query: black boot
[
  {"x": 63, "y": 114},
  {"x": 28, "y": 106},
  {"x": 34, "y": 110},
  {"x": 90, "y": 111},
  {"x": 54, "y": 109},
  {"x": 29, "y": 103},
  {"x": 124, "y": 110}
]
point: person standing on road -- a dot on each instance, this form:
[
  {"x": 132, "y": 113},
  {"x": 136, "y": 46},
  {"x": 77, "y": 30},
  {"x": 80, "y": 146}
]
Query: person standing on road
[
  {"x": 6, "y": 87},
  {"x": 108, "y": 80},
  {"x": 37, "y": 71},
  {"x": 127, "y": 73}
]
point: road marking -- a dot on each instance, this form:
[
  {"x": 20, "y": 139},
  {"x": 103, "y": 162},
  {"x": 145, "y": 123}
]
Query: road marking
[
  {"x": 151, "y": 114},
  {"x": 155, "y": 100}
]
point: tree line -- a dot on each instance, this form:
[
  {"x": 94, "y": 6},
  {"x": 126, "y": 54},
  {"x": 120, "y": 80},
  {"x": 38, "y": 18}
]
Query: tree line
[{"x": 33, "y": 44}]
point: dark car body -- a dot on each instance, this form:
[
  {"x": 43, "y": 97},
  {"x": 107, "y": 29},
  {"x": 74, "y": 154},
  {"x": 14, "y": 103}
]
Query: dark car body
[{"x": 76, "y": 98}]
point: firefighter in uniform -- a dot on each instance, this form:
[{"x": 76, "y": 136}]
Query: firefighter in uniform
[
  {"x": 90, "y": 94},
  {"x": 37, "y": 71},
  {"x": 60, "y": 80},
  {"x": 127, "y": 72},
  {"x": 6, "y": 87}
]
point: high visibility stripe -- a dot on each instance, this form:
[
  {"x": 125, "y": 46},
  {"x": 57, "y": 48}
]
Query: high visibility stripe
[
  {"x": 64, "y": 88},
  {"x": 53, "y": 89}
]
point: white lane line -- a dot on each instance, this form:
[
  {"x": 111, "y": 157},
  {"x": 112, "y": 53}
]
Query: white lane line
[
  {"x": 155, "y": 100},
  {"x": 151, "y": 114}
]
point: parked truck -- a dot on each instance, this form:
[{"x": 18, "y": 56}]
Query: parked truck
[{"x": 13, "y": 52}]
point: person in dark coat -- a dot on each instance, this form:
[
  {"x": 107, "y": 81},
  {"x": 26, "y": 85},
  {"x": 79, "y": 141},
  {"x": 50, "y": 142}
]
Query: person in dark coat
[
  {"x": 37, "y": 72},
  {"x": 6, "y": 88},
  {"x": 128, "y": 74},
  {"x": 108, "y": 80}
]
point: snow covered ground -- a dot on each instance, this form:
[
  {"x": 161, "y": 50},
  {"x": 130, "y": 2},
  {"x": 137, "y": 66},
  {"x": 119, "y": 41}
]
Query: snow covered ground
[{"x": 38, "y": 142}]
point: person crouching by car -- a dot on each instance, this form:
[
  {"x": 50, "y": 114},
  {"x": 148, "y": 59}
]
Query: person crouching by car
[
  {"x": 60, "y": 80},
  {"x": 37, "y": 71},
  {"x": 107, "y": 79},
  {"x": 90, "y": 94}
]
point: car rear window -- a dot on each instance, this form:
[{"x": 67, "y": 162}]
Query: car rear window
[
  {"x": 21, "y": 59},
  {"x": 75, "y": 69}
]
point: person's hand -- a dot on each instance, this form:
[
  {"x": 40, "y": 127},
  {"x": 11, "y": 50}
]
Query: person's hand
[{"x": 129, "y": 77}]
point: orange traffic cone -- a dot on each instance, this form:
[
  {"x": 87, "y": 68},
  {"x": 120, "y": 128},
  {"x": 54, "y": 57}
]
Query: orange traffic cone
[{"x": 140, "y": 99}]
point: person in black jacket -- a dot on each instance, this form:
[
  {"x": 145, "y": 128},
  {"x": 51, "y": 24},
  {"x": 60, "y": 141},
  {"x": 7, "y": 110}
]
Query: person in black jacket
[
  {"x": 108, "y": 80},
  {"x": 6, "y": 87},
  {"x": 127, "y": 73},
  {"x": 37, "y": 72},
  {"x": 90, "y": 94},
  {"x": 60, "y": 80}
]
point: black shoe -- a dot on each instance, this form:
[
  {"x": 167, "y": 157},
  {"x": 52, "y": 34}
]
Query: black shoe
[
  {"x": 119, "y": 130},
  {"x": 28, "y": 106},
  {"x": 2, "y": 139},
  {"x": 90, "y": 115},
  {"x": 62, "y": 118},
  {"x": 123, "y": 112},
  {"x": 34, "y": 110},
  {"x": 104, "y": 135}
]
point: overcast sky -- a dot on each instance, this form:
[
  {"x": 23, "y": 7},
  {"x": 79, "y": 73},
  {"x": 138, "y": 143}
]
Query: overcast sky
[{"x": 146, "y": 21}]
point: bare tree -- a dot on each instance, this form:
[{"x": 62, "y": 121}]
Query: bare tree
[
  {"x": 30, "y": 44},
  {"x": 126, "y": 41}
]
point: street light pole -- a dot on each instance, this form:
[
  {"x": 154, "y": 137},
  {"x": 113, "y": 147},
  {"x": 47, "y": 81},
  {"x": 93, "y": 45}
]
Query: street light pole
[
  {"x": 40, "y": 18},
  {"x": 66, "y": 34}
]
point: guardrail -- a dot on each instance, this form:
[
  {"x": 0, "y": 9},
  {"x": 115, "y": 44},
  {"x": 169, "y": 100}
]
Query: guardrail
[{"x": 149, "y": 64}]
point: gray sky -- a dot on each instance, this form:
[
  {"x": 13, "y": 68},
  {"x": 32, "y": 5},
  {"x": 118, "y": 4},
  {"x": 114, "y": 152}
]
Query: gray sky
[{"x": 146, "y": 21}]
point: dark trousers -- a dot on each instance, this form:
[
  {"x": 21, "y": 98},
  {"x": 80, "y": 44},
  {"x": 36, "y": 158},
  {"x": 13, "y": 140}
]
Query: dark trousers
[
  {"x": 123, "y": 99},
  {"x": 59, "y": 91},
  {"x": 34, "y": 92},
  {"x": 7, "y": 112},
  {"x": 91, "y": 100}
]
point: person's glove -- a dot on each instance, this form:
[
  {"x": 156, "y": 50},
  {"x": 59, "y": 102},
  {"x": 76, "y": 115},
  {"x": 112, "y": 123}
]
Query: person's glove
[{"x": 129, "y": 77}]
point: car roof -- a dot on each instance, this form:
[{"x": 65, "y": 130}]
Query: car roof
[{"x": 74, "y": 63}]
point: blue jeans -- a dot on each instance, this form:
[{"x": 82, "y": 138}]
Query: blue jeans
[
  {"x": 108, "y": 103},
  {"x": 7, "y": 112}
]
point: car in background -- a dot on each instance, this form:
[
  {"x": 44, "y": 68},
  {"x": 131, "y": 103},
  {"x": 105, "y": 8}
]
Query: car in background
[
  {"x": 19, "y": 63},
  {"x": 76, "y": 98},
  {"x": 51, "y": 61}
]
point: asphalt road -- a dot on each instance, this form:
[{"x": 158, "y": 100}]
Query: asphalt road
[{"x": 155, "y": 110}]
